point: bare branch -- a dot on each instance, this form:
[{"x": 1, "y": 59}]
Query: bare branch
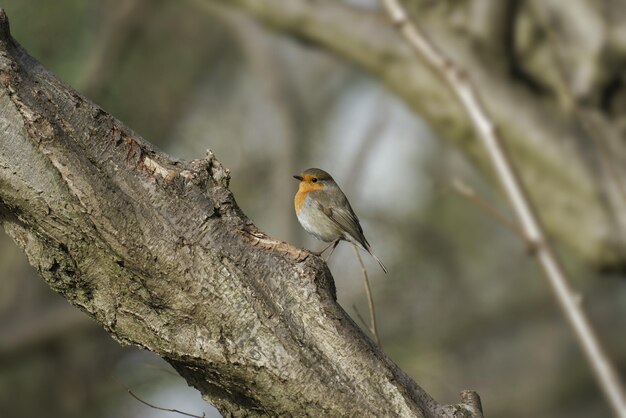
[
  {"x": 164, "y": 409},
  {"x": 462, "y": 87},
  {"x": 536, "y": 133},
  {"x": 157, "y": 251},
  {"x": 368, "y": 291},
  {"x": 470, "y": 194},
  {"x": 360, "y": 317}
]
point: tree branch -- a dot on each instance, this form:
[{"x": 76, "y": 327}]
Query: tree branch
[
  {"x": 537, "y": 134},
  {"x": 370, "y": 300},
  {"x": 470, "y": 194},
  {"x": 458, "y": 81},
  {"x": 176, "y": 411},
  {"x": 157, "y": 251}
]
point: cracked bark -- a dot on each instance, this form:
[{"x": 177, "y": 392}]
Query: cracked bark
[{"x": 157, "y": 251}]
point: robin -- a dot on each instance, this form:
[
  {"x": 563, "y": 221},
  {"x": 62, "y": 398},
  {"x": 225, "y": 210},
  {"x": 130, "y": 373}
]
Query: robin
[{"x": 324, "y": 211}]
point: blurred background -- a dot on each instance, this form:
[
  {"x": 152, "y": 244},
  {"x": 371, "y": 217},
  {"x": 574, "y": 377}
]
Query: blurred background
[{"x": 464, "y": 305}]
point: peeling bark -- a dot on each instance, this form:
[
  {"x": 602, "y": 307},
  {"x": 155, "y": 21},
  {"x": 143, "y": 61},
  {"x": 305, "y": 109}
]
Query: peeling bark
[{"x": 158, "y": 252}]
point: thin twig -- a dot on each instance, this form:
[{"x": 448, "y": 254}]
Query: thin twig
[
  {"x": 358, "y": 315},
  {"x": 466, "y": 93},
  {"x": 470, "y": 194},
  {"x": 368, "y": 292},
  {"x": 164, "y": 409}
]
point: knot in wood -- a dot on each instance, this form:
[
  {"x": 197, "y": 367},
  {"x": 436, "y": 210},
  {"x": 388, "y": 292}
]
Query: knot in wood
[{"x": 218, "y": 172}]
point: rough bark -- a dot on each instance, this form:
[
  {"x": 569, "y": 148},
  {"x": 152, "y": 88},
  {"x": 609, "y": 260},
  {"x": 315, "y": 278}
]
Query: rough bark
[
  {"x": 157, "y": 251},
  {"x": 580, "y": 204}
]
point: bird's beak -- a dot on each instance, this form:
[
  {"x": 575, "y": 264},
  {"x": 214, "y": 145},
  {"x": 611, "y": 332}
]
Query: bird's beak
[{"x": 298, "y": 178}]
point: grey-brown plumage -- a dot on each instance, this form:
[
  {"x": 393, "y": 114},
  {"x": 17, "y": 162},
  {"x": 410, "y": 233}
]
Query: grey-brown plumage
[{"x": 324, "y": 211}]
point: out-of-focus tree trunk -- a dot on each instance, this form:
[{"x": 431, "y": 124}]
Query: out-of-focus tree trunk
[
  {"x": 157, "y": 251},
  {"x": 573, "y": 169}
]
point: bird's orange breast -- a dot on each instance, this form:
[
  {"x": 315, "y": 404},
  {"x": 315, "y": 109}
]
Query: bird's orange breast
[{"x": 303, "y": 191}]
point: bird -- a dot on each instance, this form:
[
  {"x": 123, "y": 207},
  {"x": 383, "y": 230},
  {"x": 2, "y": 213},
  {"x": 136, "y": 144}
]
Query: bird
[{"x": 324, "y": 212}]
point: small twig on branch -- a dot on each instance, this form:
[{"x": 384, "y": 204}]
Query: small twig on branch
[
  {"x": 164, "y": 409},
  {"x": 370, "y": 301},
  {"x": 472, "y": 401},
  {"x": 131, "y": 393},
  {"x": 360, "y": 317},
  {"x": 462, "y": 87},
  {"x": 470, "y": 194}
]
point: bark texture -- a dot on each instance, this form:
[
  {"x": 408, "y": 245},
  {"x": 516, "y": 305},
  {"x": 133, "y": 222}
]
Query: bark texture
[{"x": 157, "y": 251}]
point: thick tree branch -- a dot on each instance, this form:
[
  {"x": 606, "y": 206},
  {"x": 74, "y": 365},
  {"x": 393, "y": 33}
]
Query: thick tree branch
[
  {"x": 538, "y": 136},
  {"x": 157, "y": 251}
]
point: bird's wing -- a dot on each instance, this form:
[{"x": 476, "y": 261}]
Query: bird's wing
[{"x": 347, "y": 221}]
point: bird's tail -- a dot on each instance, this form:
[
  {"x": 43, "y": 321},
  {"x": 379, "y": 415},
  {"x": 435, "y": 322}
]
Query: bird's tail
[
  {"x": 366, "y": 246},
  {"x": 380, "y": 263}
]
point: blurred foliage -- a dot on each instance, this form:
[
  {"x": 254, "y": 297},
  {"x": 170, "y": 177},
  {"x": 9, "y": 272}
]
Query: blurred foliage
[{"x": 464, "y": 305}]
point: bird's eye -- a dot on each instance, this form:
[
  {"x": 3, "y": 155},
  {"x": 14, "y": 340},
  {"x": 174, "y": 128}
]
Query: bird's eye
[{"x": 314, "y": 180}]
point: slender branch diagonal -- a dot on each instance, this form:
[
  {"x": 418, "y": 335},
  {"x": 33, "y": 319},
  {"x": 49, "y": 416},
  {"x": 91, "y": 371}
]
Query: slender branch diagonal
[{"x": 469, "y": 98}]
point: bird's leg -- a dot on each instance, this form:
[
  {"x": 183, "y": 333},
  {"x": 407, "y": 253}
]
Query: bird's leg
[
  {"x": 319, "y": 253},
  {"x": 334, "y": 244}
]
